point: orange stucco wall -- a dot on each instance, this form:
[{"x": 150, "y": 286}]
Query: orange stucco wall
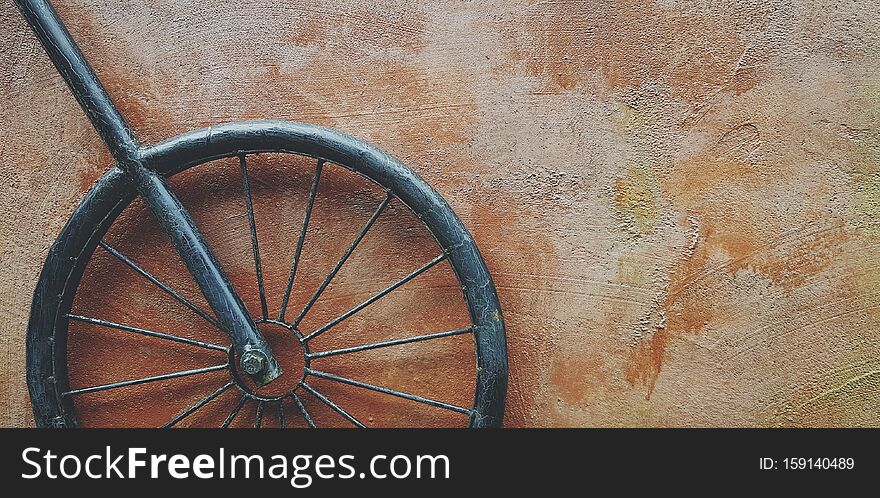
[{"x": 678, "y": 201}]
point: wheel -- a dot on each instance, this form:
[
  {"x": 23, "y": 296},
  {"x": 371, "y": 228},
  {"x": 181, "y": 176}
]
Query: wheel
[{"x": 80, "y": 365}]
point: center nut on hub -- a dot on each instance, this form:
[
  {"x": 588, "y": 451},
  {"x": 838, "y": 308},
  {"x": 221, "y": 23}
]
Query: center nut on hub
[
  {"x": 290, "y": 352},
  {"x": 253, "y": 362}
]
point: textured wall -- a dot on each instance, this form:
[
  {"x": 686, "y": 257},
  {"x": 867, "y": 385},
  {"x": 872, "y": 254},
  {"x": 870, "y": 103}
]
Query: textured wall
[{"x": 679, "y": 201}]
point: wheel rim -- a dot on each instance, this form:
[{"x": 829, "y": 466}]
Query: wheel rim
[{"x": 47, "y": 375}]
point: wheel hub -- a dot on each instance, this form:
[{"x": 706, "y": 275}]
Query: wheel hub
[{"x": 290, "y": 351}]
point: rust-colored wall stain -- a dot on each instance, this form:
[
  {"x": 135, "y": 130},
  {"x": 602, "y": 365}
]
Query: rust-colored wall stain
[{"x": 678, "y": 202}]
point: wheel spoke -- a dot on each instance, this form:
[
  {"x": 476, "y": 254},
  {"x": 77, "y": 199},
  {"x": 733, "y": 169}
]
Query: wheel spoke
[
  {"x": 302, "y": 238},
  {"x": 150, "y": 333},
  {"x": 255, "y": 245},
  {"x": 343, "y": 259},
  {"x": 385, "y": 344},
  {"x": 302, "y": 410},
  {"x": 259, "y": 421},
  {"x": 168, "y": 290},
  {"x": 144, "y": 380},
  {"x": 235, "y": 411},
  {"x": 399, "y": 394},
  {"x": 333, "y": 405},
  {"x": 375, "y": 298},
  {"x": 189, "y": 411},
  {"x": 281, "y": 413}
]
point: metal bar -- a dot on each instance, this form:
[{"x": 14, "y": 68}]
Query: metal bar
[
  {"x": 375, "y": 298},
  {"x": 380, "y": 389},
  {"x": 235, "y": 411},
  {"x": 302, "y": 409},
  {"x": 302, "y": 238},
  {"x": 385, "y": 344},
  {"x": 79, "y": 76},
  {"x": 333, "y": 405},
  {"x": 259, "y": 421},
  {"x": 164, "y": 205},
  {"x": 255, "y": 245},
  {"x": 168, "y": 290},
  {"x": 211, "y": 279},
  {"x": 281, "y": 414},
  {"x": 343, "y": 259},
  {"x": 133, "y": 382},
  {"x": 189, "y": 411},
  {"x": 150, "y": 333}
]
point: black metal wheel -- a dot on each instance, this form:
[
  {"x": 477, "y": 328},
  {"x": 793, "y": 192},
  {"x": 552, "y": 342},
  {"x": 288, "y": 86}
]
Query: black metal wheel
[{"x": 48, "y": 361}]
